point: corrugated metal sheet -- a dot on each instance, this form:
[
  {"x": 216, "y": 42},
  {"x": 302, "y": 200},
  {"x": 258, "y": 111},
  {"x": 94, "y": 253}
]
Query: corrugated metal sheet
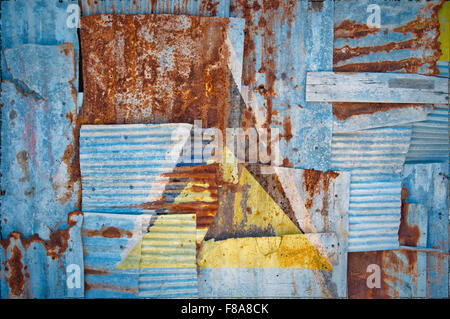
[
  {"x": 193, "y": 7},
  {"x": 168, "y": 261},
  {"x": 408, "y": 40},
  {"x": 314, "y": 202},
  {"x": 160, "y": 68},
  {"x": 375, "y": 158},
  {"x": 112, "y": 253},
  {"x": 419, "y": 269},
  {"x": 283, "y": 40}
]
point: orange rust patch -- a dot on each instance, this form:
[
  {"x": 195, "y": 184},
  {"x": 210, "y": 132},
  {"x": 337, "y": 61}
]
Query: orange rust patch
[
  {"x": 315, "y": 182},
  {"x": 89, "y": 271},
  {"x": 16, "y": 279},
  {"x": 287, "y": 126},
  {"x": 155, "y": 69},
  {"x": 351, "y": 30},
  {"x": 343, "y": 111},
  {"x": 408, "y": 235},
  {"x": 108, "y": 232}
]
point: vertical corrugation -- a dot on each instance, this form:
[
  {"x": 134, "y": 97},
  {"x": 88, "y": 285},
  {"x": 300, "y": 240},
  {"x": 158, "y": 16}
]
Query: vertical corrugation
[{"x": 375, "y": 158}]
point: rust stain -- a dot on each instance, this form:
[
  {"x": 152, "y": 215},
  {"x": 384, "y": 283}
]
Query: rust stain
[
  {"x": 357, "y": 275},
  {"x": 16, "y": 279},
  {"x": 409, "y": 235},
  {"x": 209, "y": 7},
  {"x": 425, "y": 31},
  {"x": 351, "y": 30},
  {"x": 316, "y": 182},
  {"x": 155, "y": 69},
  {"x": 102, "y": 286},
  {"x": 89, "y": 271},
  {"x": 108, "y": 232},
  {"x": 343, "y": 111},
  {"x": 287, "y": 127}
]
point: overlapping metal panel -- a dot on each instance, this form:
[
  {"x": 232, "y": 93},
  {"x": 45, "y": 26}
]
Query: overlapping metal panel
[
  {"x": 375, "y": 158},
  {"x": 315, "y": 203},
  {"x": 283, "y": 40}
]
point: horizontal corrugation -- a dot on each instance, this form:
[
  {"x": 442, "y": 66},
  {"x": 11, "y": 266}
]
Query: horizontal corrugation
[
  {"x": 430, "y": 138},
  {"x": 108, "y": 240},
  {"x": 444, "y": 68},
  {"x": 168, "y": 257},
  {"x": 375, "y": 158}
]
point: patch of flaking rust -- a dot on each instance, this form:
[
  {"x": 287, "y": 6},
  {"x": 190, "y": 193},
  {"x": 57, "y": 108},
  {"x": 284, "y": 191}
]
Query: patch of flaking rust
[
  {"x": 316, "y": 182},
  {"x": 90, "y": 271},
  {"x": 103, "y": 286},
  {"x": 409, "y": 235},
  {"x": 107, "y": 232},
  {"x": 55, "y": 246},
  {"x": 343, "y": 111},
  {"x": 287, "y": 126},
  {"x": 348, "y": 29},
  {"x": 16, "y": 280}
]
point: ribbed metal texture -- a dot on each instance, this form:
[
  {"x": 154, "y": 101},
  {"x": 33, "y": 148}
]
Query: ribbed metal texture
[
  {"x": 193, "y": 7},
  {"x": 168, "y": 260},
  {"x": 112, "y": 251},
  {"x": 375, "y": 158}
]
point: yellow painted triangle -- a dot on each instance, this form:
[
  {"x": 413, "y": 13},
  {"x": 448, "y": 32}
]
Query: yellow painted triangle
[{"x": 133, "y": 258}]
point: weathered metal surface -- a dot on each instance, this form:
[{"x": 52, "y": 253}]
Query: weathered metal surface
[
  {"x": 159, "y": 68},
  {"x": 168, "y": 266},
  {"x": 427, "y": 185},
  {"x": 112, "y": 253},
  {"x": 420, "y": 269},
  {"x": 269, "y": 205},
  {"x": 140, "y": 169},
  {"x": 37, "y": 22},
  {"x": 283, "y": 40},
  {"x": 430, "y": 138},
  {"x": 408, "y": 40},
  {"x": 37, "y": 267},
  {"x": 375, "y": 158},
  {"x": 39, "y": 182},
  {"x": 193, "y": 7},
  {"x": 366, "y": 87}
]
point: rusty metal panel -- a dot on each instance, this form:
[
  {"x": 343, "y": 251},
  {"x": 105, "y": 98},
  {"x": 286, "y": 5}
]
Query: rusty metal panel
[
  {"x": 112, "y": 251},
  {"x": 375, "y": 158},
  {"x": 159, "y": 68},
  {"x": 313, "y": 203},
  {"x": 284, "y": 40},
  {"x": 419, "y": 268},
  {"x": 40, "y": 231},
  {"x": 193, "y": 7},
  {"x": 427, "y": 184},
  {"x": 407, "y": 40},
  {"x": 37, "y": 267},
  {"x": 37, "y": 22}
]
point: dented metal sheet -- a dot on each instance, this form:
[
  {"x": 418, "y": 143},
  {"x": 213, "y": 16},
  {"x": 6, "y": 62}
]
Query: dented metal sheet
[
  {"x": 39, "y": 267},
  {"x": 38, "y": 22},
  {"x": 283, "y": 40},
  {"x": 193, "y": 7},
  {"x": 160, "y": 68},
  {"x": 408, "y": 39},
  {"x": 419, "y": 268},
  {"x": 375, "y": 158},
  {"x": 280, "y": 210}
]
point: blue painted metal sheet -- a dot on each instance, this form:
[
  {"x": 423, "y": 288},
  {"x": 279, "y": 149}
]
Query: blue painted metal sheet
[
  {"x": 37, "y": 22},
  {"x": 427, "y": 185},
  {"x": 37, "y": 139},
  {"x": 112, "y": 251},
  {"x": 407, "y": 40},
  {"x": 375, "y": 158},
  {"x": 282, "y": 42}
]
